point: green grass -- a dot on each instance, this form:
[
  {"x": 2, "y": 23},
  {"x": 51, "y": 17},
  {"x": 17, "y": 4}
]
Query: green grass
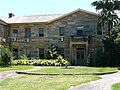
[
  {"x": 36, "y": 82},
  {"x": 52, "y": 82},
  {"x": 19, "y": 67},
  {"x": 116, "y": 86},
  {"x": 73, "y": 70}
]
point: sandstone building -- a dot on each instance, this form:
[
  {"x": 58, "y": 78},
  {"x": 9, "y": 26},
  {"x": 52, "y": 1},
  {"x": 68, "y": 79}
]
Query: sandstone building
[{"x": 74, "y": 33}]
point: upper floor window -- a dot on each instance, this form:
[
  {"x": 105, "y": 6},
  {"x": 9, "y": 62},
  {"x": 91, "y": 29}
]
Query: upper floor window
[
  {"x": 61, "y": 31},
  {"x": 41, "y": 32},
  {"x": 27, "y": 32},
  {"x": 80, "y": 30},
  {"x": 2, "y": 30},
  {"x": 99, "y": 32},
  {"x": 15, "y": 33}
]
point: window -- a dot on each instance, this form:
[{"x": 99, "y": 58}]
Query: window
[
  {"x": 41, "y": 32},
  {"x": 15, "y": 33},
  {"x": 27, "y": 52},
  {"x": 99, "y": 32},
  {"x": 61, "y": 31},
  {"x": 15, "y": 53},
  {"x": 27, "y": 32},
  {"x": 41, "y": 53},
  {"x": 61, "y": 51},
  {"x": 80, "y": 31},
  {"x": 2, "y": 31}
]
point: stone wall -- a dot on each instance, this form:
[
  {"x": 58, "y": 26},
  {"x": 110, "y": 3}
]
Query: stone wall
[{"x": 51, "y": 34}]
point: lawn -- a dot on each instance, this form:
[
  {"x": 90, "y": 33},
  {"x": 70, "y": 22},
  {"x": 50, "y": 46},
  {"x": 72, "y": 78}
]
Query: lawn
[
  {"x": 19, "y": 67},
  {"x": 73, "y": 70},
  {"x": 116, "y": 86},
  {"x": 52, "y": 82}
]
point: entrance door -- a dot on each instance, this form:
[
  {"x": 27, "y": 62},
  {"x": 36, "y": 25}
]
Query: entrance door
[{"x": 80, "y": 56}]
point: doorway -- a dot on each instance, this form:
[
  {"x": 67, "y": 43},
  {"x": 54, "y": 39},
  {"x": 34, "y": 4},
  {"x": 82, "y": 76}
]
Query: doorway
[{"x": 80, "y": 55}]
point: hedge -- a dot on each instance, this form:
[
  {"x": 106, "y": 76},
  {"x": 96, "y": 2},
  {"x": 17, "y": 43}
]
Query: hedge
[{"x": 41, "y": 62}]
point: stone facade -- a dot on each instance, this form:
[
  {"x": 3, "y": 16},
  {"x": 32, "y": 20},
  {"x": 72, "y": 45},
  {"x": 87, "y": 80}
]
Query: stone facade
[
  {"x": 3, "y": 33},
  {"x": 77, "y": 38}
]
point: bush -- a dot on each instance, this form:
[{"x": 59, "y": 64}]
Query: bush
[
  {"x": 5, "y": 56},
  {"x": 41, "y": 62},
  {"x": 24, "y": 57}
]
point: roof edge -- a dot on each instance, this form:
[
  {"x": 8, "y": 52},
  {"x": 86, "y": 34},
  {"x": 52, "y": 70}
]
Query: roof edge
[
  {"x": 3, "y": 22},
  {"x": 92, "y": 13}
]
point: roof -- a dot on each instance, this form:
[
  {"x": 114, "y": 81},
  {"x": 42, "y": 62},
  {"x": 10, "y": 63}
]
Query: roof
[
  {"x": 42, "y": 18},
  {"x": 2, "y": 22},
  {"x": 32, "y": 18}
]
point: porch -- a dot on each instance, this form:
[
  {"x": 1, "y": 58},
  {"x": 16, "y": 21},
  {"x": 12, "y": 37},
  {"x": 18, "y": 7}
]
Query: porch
[{"x": 79, "y": 50}]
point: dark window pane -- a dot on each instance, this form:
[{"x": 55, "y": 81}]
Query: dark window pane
[
  {"x": 15, "y": 33},
  {"x": 61, "y": 50},
  {"x": 99, "y": 32},
  {"x": 61, "y": 31},
  {"x": 27, "y": 33},
  {"x": 41, "y": 53},
  {"x": 15, "y": 53},
  {"x": 41, "y": 32},
  {"x": 80, "y": 31}
]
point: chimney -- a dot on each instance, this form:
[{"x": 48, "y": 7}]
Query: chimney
[{"x": 11, "y": 15}]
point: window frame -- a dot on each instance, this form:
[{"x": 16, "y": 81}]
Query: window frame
[
  {"x": 63, "y": 51},
  {"x": 80, "y": 28},
  {"x": 15, "y": 52},
  {"x": 41, "y": 54},
  {"x": 61, "y": 33},
  {"x": 26, "y": 32},
  {"x": 15, "y": 35},
  {"x": 43, "y": 32}
]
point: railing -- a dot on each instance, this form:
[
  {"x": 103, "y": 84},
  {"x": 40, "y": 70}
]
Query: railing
[{"x": 79, "y": 37}]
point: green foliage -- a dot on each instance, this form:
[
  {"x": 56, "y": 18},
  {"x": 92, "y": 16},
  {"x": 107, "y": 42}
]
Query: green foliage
[
  {"x": 41, "y": 62},
  {"x": 53, "y": 52},
  {"x": 5, "y": 56},
  {"x": 107, "y": 13},
  {"x": 23, "y": 57},
  {"x": 112, "y": 47}
]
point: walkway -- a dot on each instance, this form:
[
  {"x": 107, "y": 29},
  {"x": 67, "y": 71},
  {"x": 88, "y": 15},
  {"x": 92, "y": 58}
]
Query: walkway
[
  {"x": 103, "y": 84},
  {"x": 6, "y": 74}
]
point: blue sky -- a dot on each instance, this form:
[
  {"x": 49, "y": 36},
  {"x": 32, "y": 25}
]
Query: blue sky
[{"x": 36, "y": 7}]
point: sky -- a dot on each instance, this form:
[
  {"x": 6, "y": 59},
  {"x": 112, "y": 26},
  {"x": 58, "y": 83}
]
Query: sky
[{"x": 37, "y": 7}]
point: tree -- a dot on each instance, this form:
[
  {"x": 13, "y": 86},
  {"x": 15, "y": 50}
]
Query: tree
[
  {"x": 53, "y": 52},
  {"x": 5, "y": 56},
  {"x": 108, "y": 18},
  {"x": 107, "y": 13},
  {"x": 112, "y": 47}
]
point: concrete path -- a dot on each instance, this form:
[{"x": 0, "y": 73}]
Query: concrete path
[
  {"x": 6, "y": 74},
  {"x": 103, "y": 84}
]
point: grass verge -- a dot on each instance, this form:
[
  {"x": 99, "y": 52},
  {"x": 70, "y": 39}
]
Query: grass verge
[
  {"x": 19, "y": 67},
  {"x": 52, "y": 82},
  {"x": 116, "y": 86},
  {"x": 73, "y": 70}
]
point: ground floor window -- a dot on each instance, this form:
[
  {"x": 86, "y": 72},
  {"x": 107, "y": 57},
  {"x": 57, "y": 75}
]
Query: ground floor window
[
  {"x": 15, "y": 53},
  {"x": 27, "y": 52},
  {"x": 41, "y": 53},
  {"x": 61, "y": 51}
]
